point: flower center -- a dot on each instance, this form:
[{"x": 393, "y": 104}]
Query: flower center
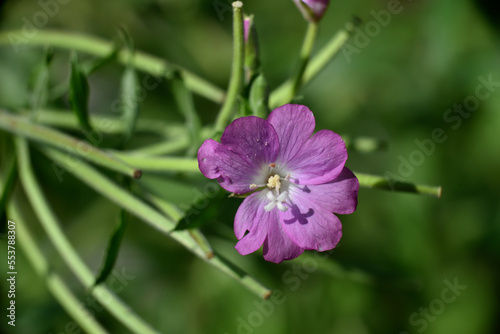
[
  {"x": 274, "y": 182},
  {"x": 278, "y": 199}
]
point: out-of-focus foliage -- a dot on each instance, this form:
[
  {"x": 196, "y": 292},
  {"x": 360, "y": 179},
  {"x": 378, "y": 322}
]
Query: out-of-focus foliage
[{"x": 399, "y": 252}]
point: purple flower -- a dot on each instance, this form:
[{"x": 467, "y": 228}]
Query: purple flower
[
  {"x": 296, "y": 181},
  {"x": 312, "y": 10}
]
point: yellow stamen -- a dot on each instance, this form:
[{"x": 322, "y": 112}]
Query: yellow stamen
[{"x": 274, "y": 182}]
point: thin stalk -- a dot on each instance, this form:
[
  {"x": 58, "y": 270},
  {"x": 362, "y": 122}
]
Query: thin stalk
[
  {"x": 281, "y": 94},
  {"x": 387, "y": 183},
  {"x": 64, "y": 119},
  {"x": 365, "y": 180},
  {"x": 137, "y": 207},
  {"x": 54, "y": 282},
  {"x": 8, "y": 176},
  {"x": 305, "y": 55},
  {"x": 98, "y": 47},
  {"x": 51, "y": 226},
  {"x": 237, "y": 71},
  {"x": 22, "y": 126},
  {"x": 160, "y": 164},
  {"x": 166, "y": 147}
]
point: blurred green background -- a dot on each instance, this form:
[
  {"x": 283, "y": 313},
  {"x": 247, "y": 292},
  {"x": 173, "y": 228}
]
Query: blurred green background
[{"x": 399, "y": 252}]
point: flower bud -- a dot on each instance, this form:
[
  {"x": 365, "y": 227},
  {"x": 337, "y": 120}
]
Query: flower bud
[
  {"x": 312, "y": 10},
  {"x": 252, "y": 62}
]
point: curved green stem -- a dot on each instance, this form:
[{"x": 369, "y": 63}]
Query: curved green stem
[
  {"x": 160, "y": 164},
  {"x": 137, "y": 207},
  {"x": 98, "y": 47},
  {"x": 365, "y": 180},
  {"x": 22, "y": 126},
  {"x": 281, "y": 95},
  {"x": 55, "y": 284},
  {"x": 305, "y": 55},
  {"x": 51, "y": 226},
  {"x": 388, "y": 183},
  {"x": 237, "y": 72}
]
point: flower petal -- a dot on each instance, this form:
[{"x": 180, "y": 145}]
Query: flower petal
[
  {"x": 319, "y": 160},
  {"x": 254, "y": 139},
  {"x": 294, "y": 125},
  {"x": 252, "y": 217},
  {"x": 234, "y": 173},
  {"x": 278, "y": 246},
  {"x": 310, "y": 225},
  {"x": 339, "y": 196}
]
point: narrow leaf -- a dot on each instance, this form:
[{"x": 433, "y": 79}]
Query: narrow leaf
[
  {"x": 79, "y": 93},
  {"x": 113, "y": 248}
]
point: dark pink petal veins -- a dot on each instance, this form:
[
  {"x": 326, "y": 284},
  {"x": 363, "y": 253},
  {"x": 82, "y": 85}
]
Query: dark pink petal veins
[
  {"x": 339, "y": 195},
  {"x": 252, "y": 138},
  {"x": 294, "y": 125},
  {"x": 278, "y": 246},
  {"x": 234, "y": 173},
  {"x": 319, "y": 160},
  {"x": 252, "y": 217},
  {"x": 310, "y": 225},
  {"x": 246, "y": 145}
]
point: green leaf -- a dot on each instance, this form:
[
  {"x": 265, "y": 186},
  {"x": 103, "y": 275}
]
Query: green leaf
[
  {"x": 79, "y": 93},
  {"x": 184, "y": 100},
  {"x": 113, "y": 248},
  {"x": 259, "y": 97},
  {"x": 129, "y": 101},
  {"x": 39, "y": 82}
]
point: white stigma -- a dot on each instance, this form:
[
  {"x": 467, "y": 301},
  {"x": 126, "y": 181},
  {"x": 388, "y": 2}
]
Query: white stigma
[{"x": 276, "y": 201}]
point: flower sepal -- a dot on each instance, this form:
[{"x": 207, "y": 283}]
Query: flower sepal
[{"x": 312, "y": 10}]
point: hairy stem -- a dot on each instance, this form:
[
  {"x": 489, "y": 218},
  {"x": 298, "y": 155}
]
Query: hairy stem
[
  {"x": 237, "y": 72},
  {"x": 22, "y": 126},
  {"x": 98, "y": 47},
  {"x": 54, "y": 282},
  {"x": 51, "y": 226},
  {"x": 281, "y": 94}
]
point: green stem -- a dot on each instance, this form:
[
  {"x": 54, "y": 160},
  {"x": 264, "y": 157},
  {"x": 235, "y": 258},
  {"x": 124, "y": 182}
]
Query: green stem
[
  {"x": 281, "y": 95},
  {"x": 51, "y": 226},
  {"x": 65, "y": 119},
  {"x": 137, "y": 207},
  {"x": 111, "y": 190},
  {"x": 160, "y": 164},
  {"x": 184, "y": 100},
  {"x": 305, "y": 55},
  {"x": 365, "y": 180},
  {"x": 22, "y": 126},
  {"x": 161, "y": 148},
  {"x": 6, "y": 182},
  {"x": 237, "y": 72},
  {"x": 98, "y": 47},
  {"x": 55, "y": 284},
  {"x": 387, "y": 183}
]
